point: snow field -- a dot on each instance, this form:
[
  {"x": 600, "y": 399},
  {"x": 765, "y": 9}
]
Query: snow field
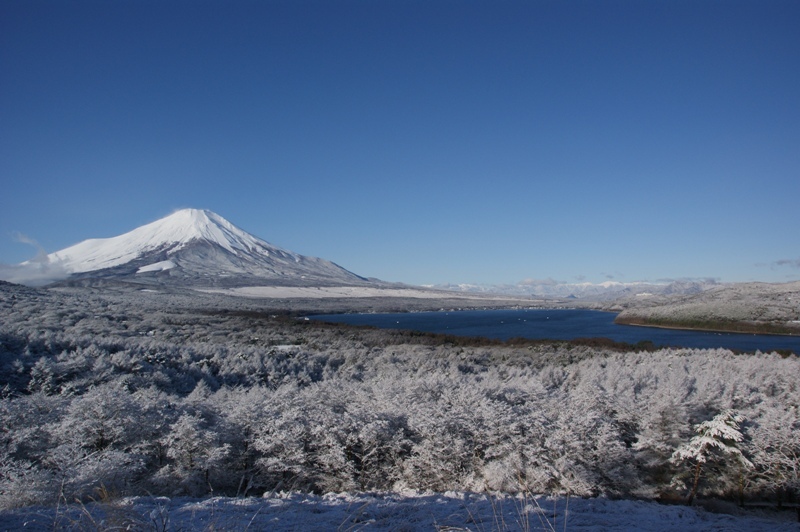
[
  {"x": 392, "y": 511},
  {"x": 322, "y": 292}
]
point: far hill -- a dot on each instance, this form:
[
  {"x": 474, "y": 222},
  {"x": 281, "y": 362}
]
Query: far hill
[{"x": 742, "y": 307}]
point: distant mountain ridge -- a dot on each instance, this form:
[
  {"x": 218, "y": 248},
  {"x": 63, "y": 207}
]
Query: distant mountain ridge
[
  {"x": 606, "y": 291},
  {"x": 195, "y": 247}
]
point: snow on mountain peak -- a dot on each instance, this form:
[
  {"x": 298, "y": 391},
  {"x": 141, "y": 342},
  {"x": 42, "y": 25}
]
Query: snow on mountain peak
[
  {"x": 187, "y": 225},
  {"x": 168, "y": 234}
]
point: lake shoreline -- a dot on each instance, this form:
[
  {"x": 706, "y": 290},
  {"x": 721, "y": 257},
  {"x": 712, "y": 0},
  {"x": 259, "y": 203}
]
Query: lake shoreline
[{"x": 742, "y": 327}]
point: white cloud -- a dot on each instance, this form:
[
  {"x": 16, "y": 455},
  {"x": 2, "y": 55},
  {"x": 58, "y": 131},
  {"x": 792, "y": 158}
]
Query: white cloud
[
  {"x": 792, "y": 263},
  {"x": 37, "y": 271},
  {"x": 33, "y": 273}
]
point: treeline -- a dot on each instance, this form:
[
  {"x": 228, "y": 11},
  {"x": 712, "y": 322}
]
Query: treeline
[
  {"x": 131, "y": 395},
  {"x": 706, "y": 324}
]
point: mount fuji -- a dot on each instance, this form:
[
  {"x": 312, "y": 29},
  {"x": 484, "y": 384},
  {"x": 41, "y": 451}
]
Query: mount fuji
[{"x": 193, "y": 247}]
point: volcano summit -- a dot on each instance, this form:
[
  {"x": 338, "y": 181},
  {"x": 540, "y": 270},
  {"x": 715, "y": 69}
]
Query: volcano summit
[{"x": 193, "y": 247}]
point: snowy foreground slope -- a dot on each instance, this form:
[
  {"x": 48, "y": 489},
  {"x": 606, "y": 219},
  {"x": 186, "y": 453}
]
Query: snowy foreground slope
[
  {"x": 124, "y": 396},
  {"x": 408, "y": 512}
]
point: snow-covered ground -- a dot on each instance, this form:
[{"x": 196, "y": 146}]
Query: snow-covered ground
[
  {"x": 321, "y": 292},
  {"x": 409, "y": 511},
  {"x": 157, "y": 267}
]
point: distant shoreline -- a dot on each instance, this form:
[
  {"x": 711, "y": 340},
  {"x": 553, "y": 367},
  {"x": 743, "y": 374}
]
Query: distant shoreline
[{"x": 735, "y": 328}]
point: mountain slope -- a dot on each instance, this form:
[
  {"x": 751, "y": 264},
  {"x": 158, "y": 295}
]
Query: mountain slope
[
  {"x": 170, "y": 234},
  {"x": 196, "y": 247},
  {"x": 740, "y": 307}
]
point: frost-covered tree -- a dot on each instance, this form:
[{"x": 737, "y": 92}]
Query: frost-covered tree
[
  {"x": 104, "y": 417},
  {"x": 196, "y": 452},
  {"x": 240, "y": 411},
  {"x": 24, "y": 441},
  {"x": 283, "y": 442},
  {"x": 585, "y": 449},
  {"x": 446, "y": 421},
  {"x": 715, "y": 439},
  {"x": 663, "y": 428},
  {"x": 42, "y": 378},
  {"x": 95, "y": 443},
  {"x": 775, "y": 448}
]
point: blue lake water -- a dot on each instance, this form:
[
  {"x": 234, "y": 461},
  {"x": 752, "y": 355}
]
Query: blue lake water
[{"x": 559, "y": 325}]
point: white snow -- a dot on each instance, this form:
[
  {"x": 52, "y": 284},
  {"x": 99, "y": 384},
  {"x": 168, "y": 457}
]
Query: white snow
[
  {"x": 322, "y": 292},
  {"x": 157, "y": 267},
  {"x": 391, "y": 511},
  {"x": 168, "y": 234}
]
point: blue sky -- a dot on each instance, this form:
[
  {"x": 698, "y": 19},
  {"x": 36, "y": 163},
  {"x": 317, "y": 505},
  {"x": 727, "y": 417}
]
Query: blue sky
[{"x": 416, "y": 141}]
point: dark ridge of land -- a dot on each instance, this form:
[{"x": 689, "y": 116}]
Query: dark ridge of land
[{"x": 710, "y": 325}]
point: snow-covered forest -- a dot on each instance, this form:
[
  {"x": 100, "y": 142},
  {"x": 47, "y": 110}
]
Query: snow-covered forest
[{"x": 116, "y": 394}]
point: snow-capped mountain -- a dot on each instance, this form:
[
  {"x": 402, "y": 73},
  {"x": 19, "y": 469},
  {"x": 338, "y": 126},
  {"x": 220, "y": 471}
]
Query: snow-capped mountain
[{"x": 194, "y": 246}]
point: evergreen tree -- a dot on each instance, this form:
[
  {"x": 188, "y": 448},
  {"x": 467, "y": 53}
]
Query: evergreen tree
[{"x": 714, "y": 440}]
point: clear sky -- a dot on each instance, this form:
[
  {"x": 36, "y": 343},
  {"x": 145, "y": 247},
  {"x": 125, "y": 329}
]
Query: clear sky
[{"x": 415, "y": 141}]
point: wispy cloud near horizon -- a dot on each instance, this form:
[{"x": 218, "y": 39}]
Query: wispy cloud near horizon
[
  {"x": 41, "y": 253},
  {"x": 792, "y": 263},
  {"x": 33, "y": 273},
  {"x": 780, "y": 263},
  {"x": 37, "y": 271}
]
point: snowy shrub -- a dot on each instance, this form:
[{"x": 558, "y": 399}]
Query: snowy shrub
[
  {"x": 24, "y": 484},
  {"x": 774, "y": 448},
  {"x": 196, "y": 453}
]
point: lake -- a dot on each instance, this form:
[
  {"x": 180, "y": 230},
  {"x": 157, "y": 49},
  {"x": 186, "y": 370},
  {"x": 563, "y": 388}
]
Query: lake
[{"x": 559, "y": 325}]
